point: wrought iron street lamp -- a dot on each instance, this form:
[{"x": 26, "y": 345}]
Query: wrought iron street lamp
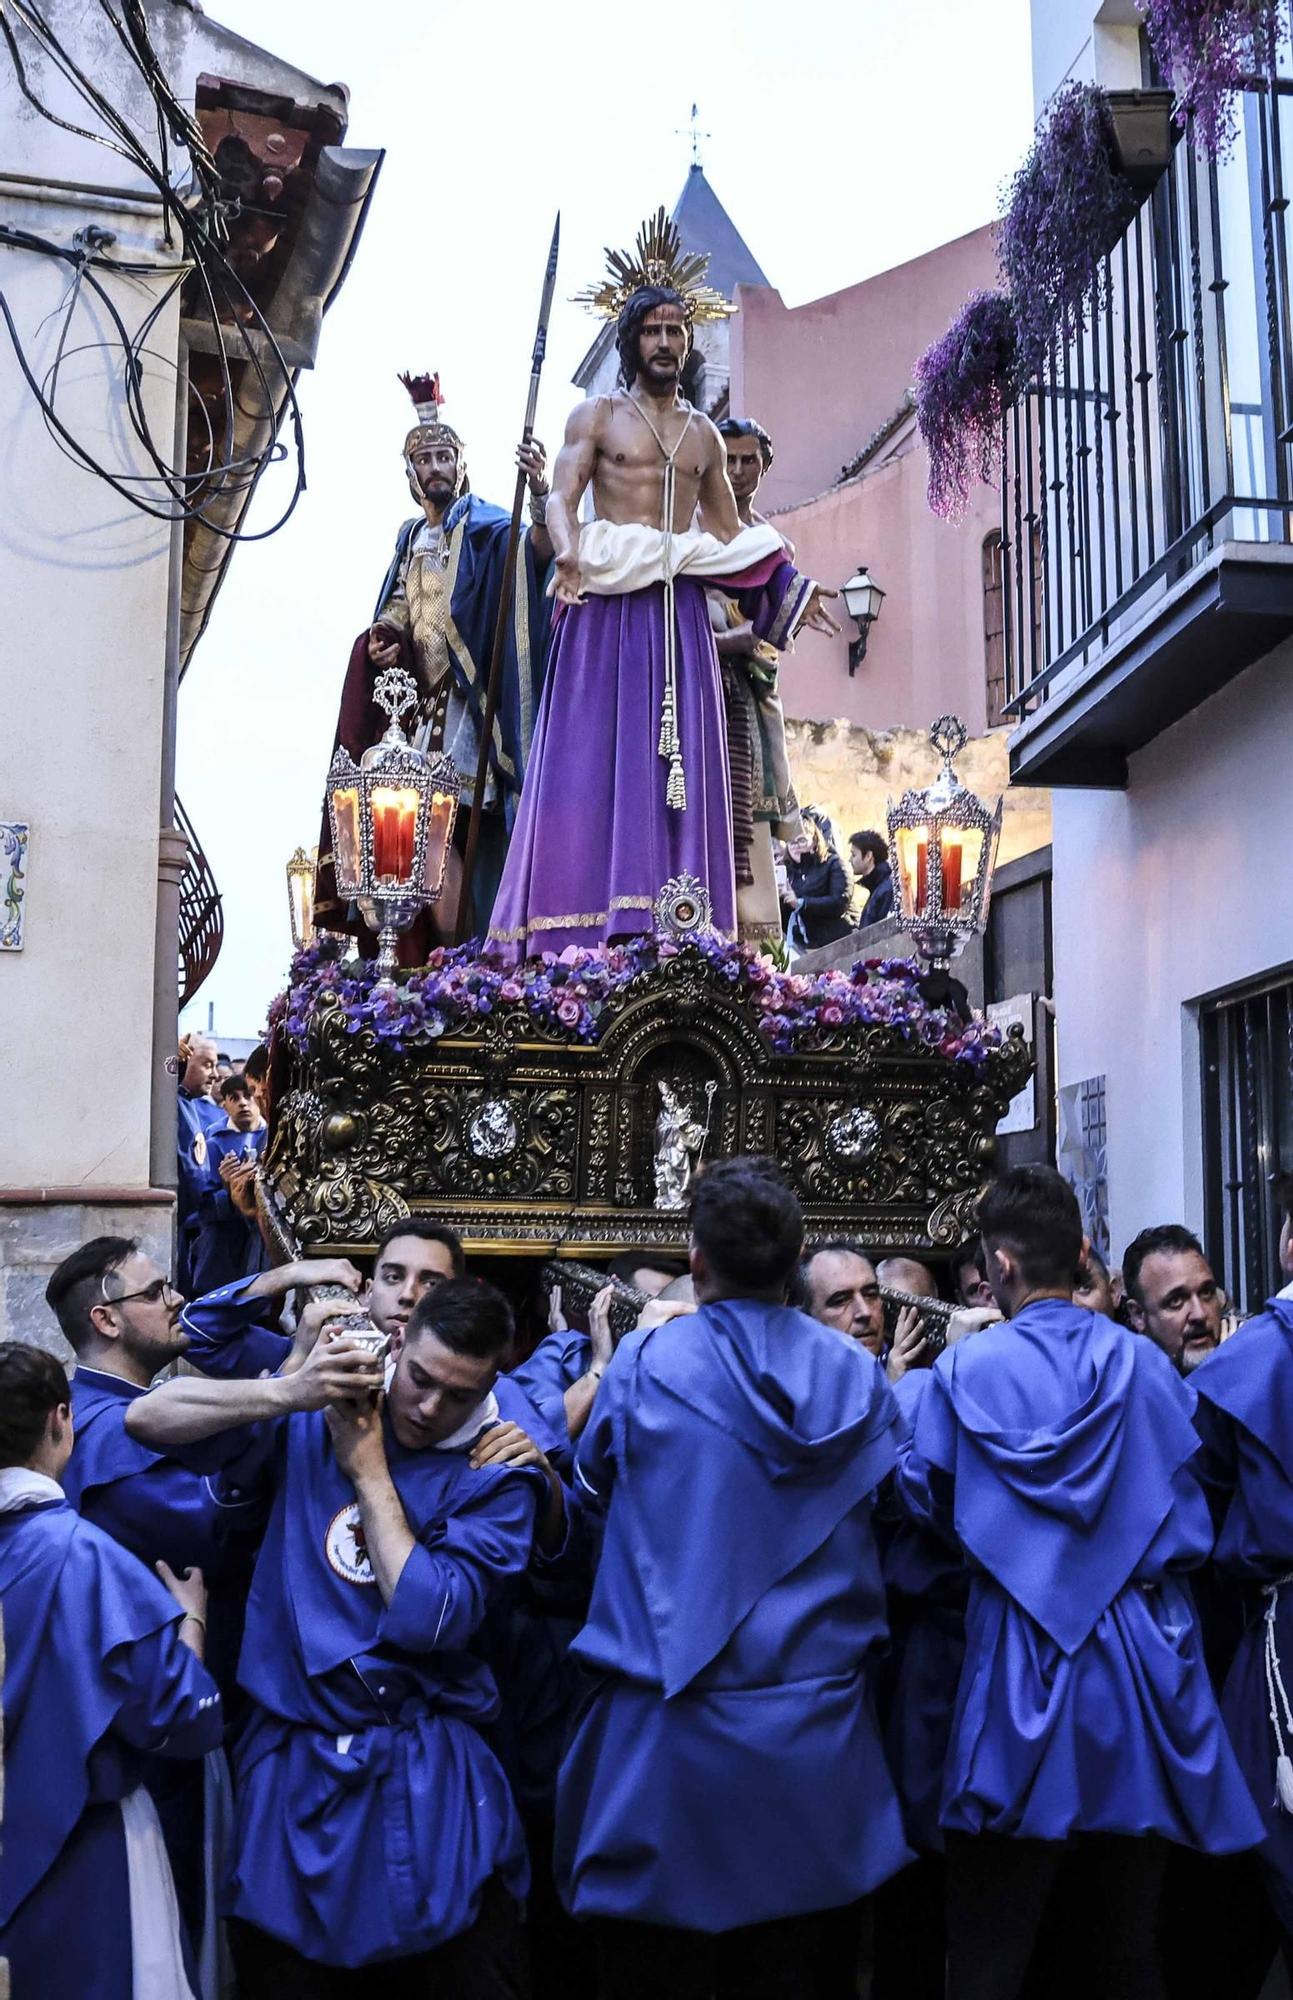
[
  {"x": 300, "y": 895},
  {"x": 392, "y": 818},
  {"x": 862, "y": 599},
  {"x": 943, "y": 840}
]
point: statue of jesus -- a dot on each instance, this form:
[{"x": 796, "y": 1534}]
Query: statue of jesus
[{"x": 627, "y": 785}]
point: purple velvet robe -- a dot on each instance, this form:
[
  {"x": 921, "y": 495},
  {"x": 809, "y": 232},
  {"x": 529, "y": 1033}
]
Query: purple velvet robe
[{"x": 594, "y": 841}]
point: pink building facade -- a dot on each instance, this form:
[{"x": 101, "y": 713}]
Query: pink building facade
[{"x": 831, "y": 381}]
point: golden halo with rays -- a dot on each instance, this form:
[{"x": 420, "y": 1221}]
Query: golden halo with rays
[{"x": 657, "y": 258}]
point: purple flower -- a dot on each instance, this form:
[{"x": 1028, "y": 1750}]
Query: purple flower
[
  {"x": 568, "y": 1013},
  {"x": 963, "y": 384}
]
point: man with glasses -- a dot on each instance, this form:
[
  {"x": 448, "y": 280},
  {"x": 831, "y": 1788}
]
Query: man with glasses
[{"x": 123, "y": 1318}]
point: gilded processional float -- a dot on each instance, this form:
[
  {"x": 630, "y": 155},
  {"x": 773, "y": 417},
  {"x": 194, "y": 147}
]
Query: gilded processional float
[{"x": 534, "y": 1007}]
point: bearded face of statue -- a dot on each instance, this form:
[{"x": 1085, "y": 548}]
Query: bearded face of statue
[{"x": 433, "y": 473}]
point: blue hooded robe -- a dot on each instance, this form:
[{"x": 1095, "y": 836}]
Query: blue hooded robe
[
  {"x": 726, "y": 1768},
  {"x": 926, "y": 1586},
  {"x": 370, "y": 1810},
  {"x": 96, "y": 1678},
  {"x": 1057, "y": 1449},
  {"x": 1245, "y": 1417}
]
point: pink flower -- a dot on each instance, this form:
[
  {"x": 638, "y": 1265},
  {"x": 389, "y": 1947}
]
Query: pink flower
[
  {"x": 511, "y": 989},
  {"x": 568, "y": 1013},
  {"x": 668, "y": 949},
  {"x": 830, "y": 1015},
  {"x": 572, "y": 955},
  {"x": 768, "y": 1000}
]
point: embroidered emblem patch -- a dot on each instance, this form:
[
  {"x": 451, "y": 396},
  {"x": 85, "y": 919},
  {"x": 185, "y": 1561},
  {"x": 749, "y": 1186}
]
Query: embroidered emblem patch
[
  {"x": 200, "y": 1149},
  {"x": 345, "y": 1546}
]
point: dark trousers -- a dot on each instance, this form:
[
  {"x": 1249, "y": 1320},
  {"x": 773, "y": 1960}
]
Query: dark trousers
[
  {"x": 1091, "y": 1902},
  {"x": 813, "y": 1957},
  {"x": 910, "y": 1950},
  {"x": 484, "y": 1962}
]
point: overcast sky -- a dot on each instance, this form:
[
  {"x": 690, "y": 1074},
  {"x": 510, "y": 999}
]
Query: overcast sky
[{"x": 845, "y": 136}]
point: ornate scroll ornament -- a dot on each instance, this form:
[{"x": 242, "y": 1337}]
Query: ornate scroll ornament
[
  {"x": 684, "y": 908},
  {"x": 657, "y": 258}
]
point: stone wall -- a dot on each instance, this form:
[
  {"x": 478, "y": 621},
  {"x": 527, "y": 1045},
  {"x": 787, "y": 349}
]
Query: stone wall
[
  {"x": 853, "y": 772},
  {"x": 35, "y": 1236}
]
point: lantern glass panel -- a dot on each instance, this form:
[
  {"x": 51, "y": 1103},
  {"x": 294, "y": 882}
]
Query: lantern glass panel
[
  {"x": 348, "y": 848},
  {"x": 962, "y": 854},
  {"x": 395, "y": 820},
  {"x": 913, "y": 867},
  {"x": 443, "y": 811},
  {"x": 300, "y": 885}
]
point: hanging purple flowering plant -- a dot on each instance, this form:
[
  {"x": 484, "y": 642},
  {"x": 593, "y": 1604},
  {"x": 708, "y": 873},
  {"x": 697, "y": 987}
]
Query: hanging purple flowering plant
[
  {"x": 1068, "y": 204},
  {"x": 963, "y": 384},
  {"x": 1207, "y": 49}
]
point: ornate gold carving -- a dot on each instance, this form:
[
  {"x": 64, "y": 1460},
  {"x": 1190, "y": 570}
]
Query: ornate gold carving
[{"x": 364, "y": 1135}]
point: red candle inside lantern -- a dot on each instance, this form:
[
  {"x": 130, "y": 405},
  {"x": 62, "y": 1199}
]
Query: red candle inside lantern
[
  {"x": 952, "y": 854},
  {"x": 922, "y": 874},
  {"x": 394, "y": 823}
]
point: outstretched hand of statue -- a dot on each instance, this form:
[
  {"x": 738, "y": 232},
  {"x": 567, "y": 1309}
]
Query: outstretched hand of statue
[
  {"x": 817, "y": 618},
  {"x": 383, "y": 647},
  {"x": 567, "y": 584}
]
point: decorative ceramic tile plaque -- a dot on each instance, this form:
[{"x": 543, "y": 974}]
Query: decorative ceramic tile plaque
[{"x": 14, "y": 838}]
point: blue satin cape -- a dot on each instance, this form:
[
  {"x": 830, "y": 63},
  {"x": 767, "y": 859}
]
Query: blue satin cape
[
  {"x": 1057, "y": 1448},
  {"x": 726, "y": 1768}
]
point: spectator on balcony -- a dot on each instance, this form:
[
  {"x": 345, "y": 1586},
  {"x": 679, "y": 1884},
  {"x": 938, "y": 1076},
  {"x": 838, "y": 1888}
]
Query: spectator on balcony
[
  {"x": 869, "y": 859},
  {"x": 229, "y": 1243},
  {"x": 817, "y": 888},
  {"x": 197, "y": 1118},
  {"x": 1172, "y": 1295}
]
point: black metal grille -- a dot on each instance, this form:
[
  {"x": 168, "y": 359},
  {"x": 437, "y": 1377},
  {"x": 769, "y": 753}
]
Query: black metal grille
[
  {"x": 201, "y": 914},
  {"x": 1247, "y": 1134},
  {"x": 1165, "y": 427}
]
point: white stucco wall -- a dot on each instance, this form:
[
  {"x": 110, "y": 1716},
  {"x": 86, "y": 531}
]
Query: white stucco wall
[
  {"x": 1094, "y": 42},
  {"x": 83, "y": 579},
  {"x": 1165, "y": 893}
]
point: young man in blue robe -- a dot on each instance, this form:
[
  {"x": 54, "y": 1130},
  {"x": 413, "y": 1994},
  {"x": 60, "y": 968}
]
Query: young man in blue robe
[
  {"x": 229, "y": 1244},
  {"x": 374, "y": 1823},
  {"x": 196, "y": 1118},
  {"x": 102, "y": 1670},
  {"x": 1058, "y": 1451},
  {"x": 724, "y": 1804},
  {"x": 1245, "y": 1417}
]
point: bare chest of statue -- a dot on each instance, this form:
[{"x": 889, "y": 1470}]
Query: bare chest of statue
[{"x": 634, "y": 452}]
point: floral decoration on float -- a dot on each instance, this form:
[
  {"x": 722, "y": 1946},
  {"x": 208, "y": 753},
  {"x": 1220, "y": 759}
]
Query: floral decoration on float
[{"x": 573, "y": 995}]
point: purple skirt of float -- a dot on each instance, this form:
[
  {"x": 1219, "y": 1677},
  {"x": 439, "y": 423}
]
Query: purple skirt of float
[{"x": 594, "y": 842}]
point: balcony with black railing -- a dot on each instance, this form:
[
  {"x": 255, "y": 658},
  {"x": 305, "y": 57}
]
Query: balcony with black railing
[{"x": 1147, "y": 483}]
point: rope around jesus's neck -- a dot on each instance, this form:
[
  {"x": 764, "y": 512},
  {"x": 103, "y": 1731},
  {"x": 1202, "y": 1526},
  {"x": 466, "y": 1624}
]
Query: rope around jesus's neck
[{"x": 670, "y": 744}]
